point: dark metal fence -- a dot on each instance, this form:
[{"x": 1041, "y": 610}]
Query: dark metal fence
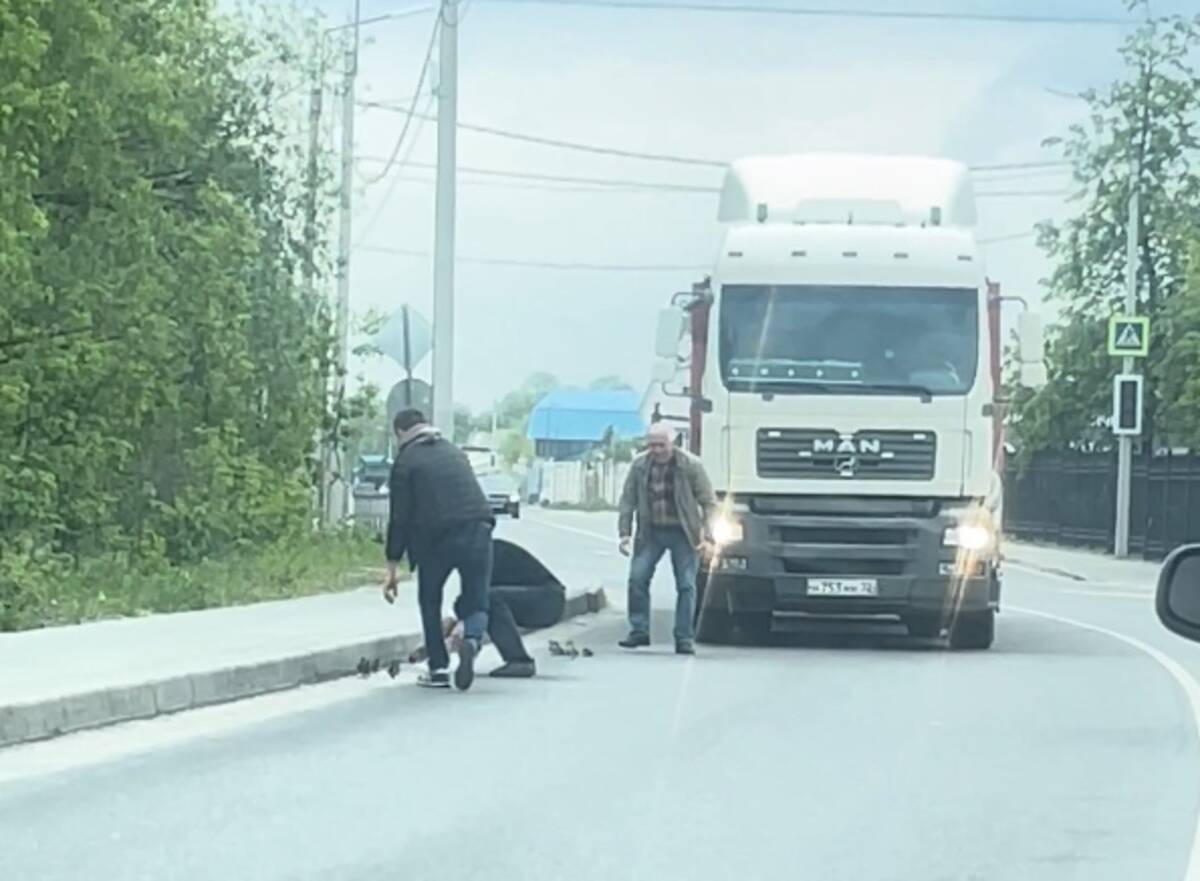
[{"x": 1068, "y": 498}]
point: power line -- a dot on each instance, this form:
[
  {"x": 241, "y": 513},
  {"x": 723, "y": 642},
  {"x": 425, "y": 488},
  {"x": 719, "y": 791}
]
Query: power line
[
  {"x": 1015, "y": 166},
  {"x": 825, "y": 12},
  {"x": 547, "y": 264},
  {"x": 999, "y": 194},
  {"x": 391, "y": 188},
  {"x": 562, "y": 144},
  {"x": 408, "y": 119},
  {"x": 1011, "y": 237},
  {"x": 566, "y": 179},
  {"x": 536, "y": 187},
  {"x": 581, "y": 146}
]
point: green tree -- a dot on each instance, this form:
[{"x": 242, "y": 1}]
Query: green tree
[
  {"x": 1141, "y": 132},
  {"x": 162, "y": 367},
  {"x": 610, "y": 382},
  {"x": 514, "y": 408}
]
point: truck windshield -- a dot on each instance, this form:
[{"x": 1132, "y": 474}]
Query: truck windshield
[{"x": 794, "y": 339}]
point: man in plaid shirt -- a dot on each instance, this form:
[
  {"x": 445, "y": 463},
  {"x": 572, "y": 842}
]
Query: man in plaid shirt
[{"x": 673, "y": 499}]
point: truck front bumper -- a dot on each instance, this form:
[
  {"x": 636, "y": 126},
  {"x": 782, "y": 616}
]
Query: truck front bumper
[{"x": 786, "y": 564}]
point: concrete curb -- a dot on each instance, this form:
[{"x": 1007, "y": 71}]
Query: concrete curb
[{"x": 40, "y": 720}]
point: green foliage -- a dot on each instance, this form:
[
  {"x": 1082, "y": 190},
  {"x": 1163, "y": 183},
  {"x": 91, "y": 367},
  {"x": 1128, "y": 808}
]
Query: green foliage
[
  {"x": 163, "y": 365},
  {"x": 515, "y": 447},
  {"x": 611, "y": 382},
  {"x": 1140, "y": 132},
  {"x": 122, "y": 584},
  {"x": 514, "y": 408}
]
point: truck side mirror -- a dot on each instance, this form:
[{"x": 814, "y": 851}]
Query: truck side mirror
[
  {"x": 1031, "y": 337},
  {"x": 664, "y": 370},
  {"x": 1177, "y": 600},
  {"x": 1033, "y": 374},
  {"x": 1031, "y": 349},
  {"x": 671, "y": 324}
]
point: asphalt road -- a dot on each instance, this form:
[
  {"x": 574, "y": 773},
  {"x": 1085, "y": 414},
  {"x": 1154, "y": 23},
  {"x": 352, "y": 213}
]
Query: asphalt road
[{"x": 1065, "y": 752}]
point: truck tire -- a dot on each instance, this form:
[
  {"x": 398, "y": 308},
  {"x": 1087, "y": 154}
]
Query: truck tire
[
  {"x": 713, "y": 623},
  {"x": 973, "y": 631},
  {"x": 924, "y": 626}
]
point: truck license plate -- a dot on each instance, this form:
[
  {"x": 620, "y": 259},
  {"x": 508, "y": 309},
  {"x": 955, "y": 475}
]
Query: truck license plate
[{"x": 843, "y": 587}]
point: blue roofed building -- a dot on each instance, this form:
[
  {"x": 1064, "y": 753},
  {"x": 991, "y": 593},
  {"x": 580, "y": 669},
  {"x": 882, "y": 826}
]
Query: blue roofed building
[{"x": 568, "y": 423}]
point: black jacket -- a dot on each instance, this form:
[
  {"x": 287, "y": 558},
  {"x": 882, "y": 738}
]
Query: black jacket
[{"x": 433, "y": 489}]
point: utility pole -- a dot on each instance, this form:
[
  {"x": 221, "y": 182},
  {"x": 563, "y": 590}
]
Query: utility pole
[
  {"x": 443, "y": 250},
  {"x": 339, "y": 497},
  {"x": 310, "y": 233},
  {"x": 1125, "y": 442}
]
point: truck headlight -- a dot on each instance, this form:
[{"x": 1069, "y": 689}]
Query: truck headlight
[
  {"x": 725, "y": 530},
  {"x": 514, "y": 497},
  {"x": 968, "y": 536}
]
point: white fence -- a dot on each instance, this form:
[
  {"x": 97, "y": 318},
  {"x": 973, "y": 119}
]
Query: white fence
[{"x": 584, "y": 484}]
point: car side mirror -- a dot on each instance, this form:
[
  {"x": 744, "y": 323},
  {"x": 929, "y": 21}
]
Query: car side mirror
[
  {"x": 668, "y": 333},
  {"x": 1177, "y": 600}
]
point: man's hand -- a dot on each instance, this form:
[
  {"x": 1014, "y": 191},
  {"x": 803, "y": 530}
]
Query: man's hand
[
  {"x": 625, "y": 546},
  {"x": 390, "y": 583}
]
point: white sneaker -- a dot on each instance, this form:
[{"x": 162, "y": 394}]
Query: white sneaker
[{"x": 434, "y": 679}]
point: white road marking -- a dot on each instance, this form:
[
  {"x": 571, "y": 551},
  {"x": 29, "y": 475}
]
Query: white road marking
[
  {"x": 1186, "y": 682},
  {"x": 1118, "y": 590},
  {"x": 600, "y": 536},
  {"x": 1110, "y": 594}
]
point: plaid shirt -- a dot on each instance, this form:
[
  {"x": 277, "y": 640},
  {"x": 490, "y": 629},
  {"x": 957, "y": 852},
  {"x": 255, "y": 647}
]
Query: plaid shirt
[{"x": 661, "y": 488}]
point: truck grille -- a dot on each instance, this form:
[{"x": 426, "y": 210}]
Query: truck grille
[{"x": 816, "y": 454}]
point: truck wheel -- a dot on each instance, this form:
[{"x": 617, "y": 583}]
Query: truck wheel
[
  {"x": 973, "y": 630},
  {"x": 516, "y": 512},
  {"x": 924, "y": 626},
  {"x": 712, "y": 621}
]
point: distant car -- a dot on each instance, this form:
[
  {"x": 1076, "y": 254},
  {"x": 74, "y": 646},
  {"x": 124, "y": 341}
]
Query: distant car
[
  {"x": 502, "y": 493},
  {"x": 372, "y": 473}
]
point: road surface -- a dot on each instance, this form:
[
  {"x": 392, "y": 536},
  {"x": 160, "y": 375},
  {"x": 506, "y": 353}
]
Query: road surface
[{"x": 1065, "y": 752}]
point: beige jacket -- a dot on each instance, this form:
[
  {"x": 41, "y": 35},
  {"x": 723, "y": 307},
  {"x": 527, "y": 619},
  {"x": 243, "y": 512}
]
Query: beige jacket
[{"x": 695, "y": 502}]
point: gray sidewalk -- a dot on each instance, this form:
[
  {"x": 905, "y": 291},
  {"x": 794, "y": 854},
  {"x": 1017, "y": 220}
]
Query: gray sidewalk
[
  {"x": 1091, "y": 567},
  {"x": 64, "y": 679}
]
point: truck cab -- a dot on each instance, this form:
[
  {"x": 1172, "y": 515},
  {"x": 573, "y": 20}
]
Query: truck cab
[{"x": 841, "y": 369}]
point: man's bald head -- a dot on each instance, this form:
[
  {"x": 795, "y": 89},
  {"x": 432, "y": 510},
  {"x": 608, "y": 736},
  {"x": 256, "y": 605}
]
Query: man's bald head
[{"x": 661, "y": 441}]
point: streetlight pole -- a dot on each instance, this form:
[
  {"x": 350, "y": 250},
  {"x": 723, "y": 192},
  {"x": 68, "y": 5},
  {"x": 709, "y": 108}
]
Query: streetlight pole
[
  {"x": 339, "y": 501},
  {"x": 334, "y": 497},
  {"x": 444, "y": 226}
]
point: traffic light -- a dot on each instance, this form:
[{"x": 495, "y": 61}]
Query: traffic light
[{"x": 1127, "y": 404}]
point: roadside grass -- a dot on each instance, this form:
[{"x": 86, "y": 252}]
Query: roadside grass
[{"x": 116, "y": 587}]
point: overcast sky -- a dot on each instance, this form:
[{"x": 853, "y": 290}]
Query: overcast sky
[{"x": 690, "y": 83}]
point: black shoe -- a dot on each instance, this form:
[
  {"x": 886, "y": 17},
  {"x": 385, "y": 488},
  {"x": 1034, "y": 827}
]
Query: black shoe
[
  {"x": 515, "y": 670},
  {"x": 685, "y": 647},
  {"x": 465, "y": 674},
  {"x": 635, "y": 640},
  {"x": 434, "y": 679}
]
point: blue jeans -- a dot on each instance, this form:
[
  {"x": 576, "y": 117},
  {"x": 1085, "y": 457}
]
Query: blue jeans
[
  {"x": 467, "y": 548},
  {"x": 652, "y": 543}
]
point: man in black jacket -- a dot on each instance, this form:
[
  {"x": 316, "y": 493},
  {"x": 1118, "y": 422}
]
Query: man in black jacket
[{"x": 440, "y": 517}]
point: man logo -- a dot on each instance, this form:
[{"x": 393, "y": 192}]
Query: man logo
[{"x": 846, "y": 445}]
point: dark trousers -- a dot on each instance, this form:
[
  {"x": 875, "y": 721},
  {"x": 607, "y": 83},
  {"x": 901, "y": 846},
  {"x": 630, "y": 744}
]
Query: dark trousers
[
  {"x": 468, "y": 549},
  {"x": 510, "y": 608}
]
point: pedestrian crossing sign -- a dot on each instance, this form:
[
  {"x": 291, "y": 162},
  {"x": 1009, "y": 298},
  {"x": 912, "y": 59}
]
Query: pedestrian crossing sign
[{"x": 1129, "y": 336}]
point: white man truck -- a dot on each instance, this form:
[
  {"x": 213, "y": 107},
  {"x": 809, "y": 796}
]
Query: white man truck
[{"x": 842, "y": 362}]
